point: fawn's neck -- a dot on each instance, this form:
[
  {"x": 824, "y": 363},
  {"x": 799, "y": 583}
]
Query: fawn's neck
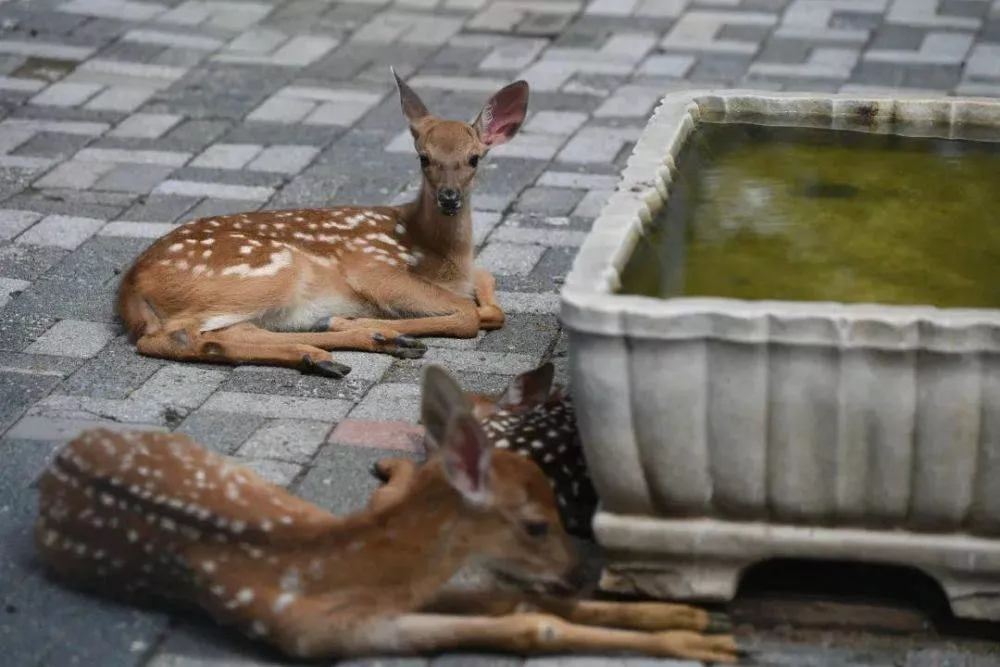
[
  {"x": 404, "y": 553},
  {"x": 448, "y": 236}
]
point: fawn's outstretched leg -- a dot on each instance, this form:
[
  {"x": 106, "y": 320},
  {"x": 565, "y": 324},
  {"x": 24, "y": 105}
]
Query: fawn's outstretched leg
[
  {"x": 645, "y": 616},
  {"x": 524, "y": 634}
]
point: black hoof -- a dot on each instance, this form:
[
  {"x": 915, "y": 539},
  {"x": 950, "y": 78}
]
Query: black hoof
[
  {"x": 747, "y": 653},
  {"x": 378, "y": 473},
  {"x": 329, "y": 369},
  {"x": 404, "y": 347},
  {"x": 320, "y": 325},
  {"x": 409, "y": 352},
  {"x": 718, "y": 624}
]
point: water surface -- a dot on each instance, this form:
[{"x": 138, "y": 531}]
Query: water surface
[{"x": 805, "y": 214}]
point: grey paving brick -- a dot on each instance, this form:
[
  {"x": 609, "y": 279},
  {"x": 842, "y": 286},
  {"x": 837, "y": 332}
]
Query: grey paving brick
[
  {"x": 26, "y": 263},
  {"x": 10, "y": 287},
  {"x": 525, "y": 302},
  {"x": 283, "y": 159},
  {"x": 216, "y": 190},
  {"x": 273, "y": 380},
  {"x": 222, "y": 432},
  {"x": 532, "y": 335},
  {"x": 282, "y": 473},
  {"x": 212, "y": 207},
  {"x": 145, "y": 126},
  {"x": 549, "y": 201},
  {"x": 18, "y": 391},
  {"x": 73, "y": 338},
  {"x": 76, "y": 175},
  {"x": 139, "y": 230},
  {"x": 481, "y": 361},
  {"x": 292, "y": 440},
  {"x": 52, "y": 145},
  {"x": 226, "y": 156},
  {"x": 39, "y": 364},
  {"x": 138, "y": 178},
  {"x": 66, "y": 94},
  {"x": 278, "y": 407},
  {"x": 13, "y": 223},
  {"x": 390, "y": 402},
  {"x": 984, "y": 62},
  {"x": 60, "y": 231},
  {"x": 20, "y": 324},
  {"x": 508, "y": 258},
  {"x": 82, "y": 286},
  {"x": 180, "y": 386},
  {"x": 114, "y": 373},
  {"x": 160, "y": 208}
]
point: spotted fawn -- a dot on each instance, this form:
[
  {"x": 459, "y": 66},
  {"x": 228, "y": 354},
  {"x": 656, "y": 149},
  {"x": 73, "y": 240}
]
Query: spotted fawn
[
  {"x": 287, "y": 286},
  {"x": 150, "y": 514},
  {"x": 534, "y": 418}
]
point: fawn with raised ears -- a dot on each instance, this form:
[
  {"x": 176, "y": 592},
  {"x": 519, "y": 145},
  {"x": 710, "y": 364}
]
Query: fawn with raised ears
[
  {"x": 534, "y": 418},
  {"x": 150, "y": 514},
  {"x": 286, "y": 287}
]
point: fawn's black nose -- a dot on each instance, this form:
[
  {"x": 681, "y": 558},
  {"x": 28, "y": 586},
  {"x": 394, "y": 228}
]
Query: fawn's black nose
[{"x": 449, "y": 200}]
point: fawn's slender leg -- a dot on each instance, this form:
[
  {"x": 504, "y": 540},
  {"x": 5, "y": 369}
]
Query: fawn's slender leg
[
  {"x": 645, "y": 616},
  {"x": 434, "y": 311},
  {"x": 246, "y": 343},
  {"x": 525, "y": 634},
  {"x": 396, "y": 475},
  {"x": 491, "y": 315}
]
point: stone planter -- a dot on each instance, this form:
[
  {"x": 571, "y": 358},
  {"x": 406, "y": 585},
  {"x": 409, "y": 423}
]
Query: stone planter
[{"x": 721, "y": 433}]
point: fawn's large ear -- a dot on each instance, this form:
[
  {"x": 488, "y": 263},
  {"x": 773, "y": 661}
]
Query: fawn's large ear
[
  {"x": 467, "y": 456},
  {"x": 413, "y": 107},
  {"x": 440, "y": 398},
  {"x": 532, "y": 387},
  {"x": 501, "y": 117}
]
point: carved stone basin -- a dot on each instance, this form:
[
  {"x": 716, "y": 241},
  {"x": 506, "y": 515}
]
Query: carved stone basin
[{"x": 802, "y": 361}]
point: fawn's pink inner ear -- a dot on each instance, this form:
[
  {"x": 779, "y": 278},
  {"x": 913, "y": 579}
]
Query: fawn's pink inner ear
[
  {"x": 504, "y": 114},
  {"x": 468, "y": 447}
]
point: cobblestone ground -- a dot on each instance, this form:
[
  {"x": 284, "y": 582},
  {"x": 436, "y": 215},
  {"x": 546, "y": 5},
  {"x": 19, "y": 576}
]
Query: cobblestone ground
[{"x": 121, "y": 118}]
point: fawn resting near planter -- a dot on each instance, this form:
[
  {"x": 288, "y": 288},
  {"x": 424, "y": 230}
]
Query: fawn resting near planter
[
  {"x": 533, "y": 418},
  {"x": 153, "y": 514},
  {"x": 285, "y": 287}
]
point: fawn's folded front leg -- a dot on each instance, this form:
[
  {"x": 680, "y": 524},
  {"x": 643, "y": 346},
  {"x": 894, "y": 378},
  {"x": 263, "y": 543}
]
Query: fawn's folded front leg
[
  {"x": 421, "y": 307},
  {"x": 491, "y": 315}
]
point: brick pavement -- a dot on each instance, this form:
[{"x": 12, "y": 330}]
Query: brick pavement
[{"x": 121, "y": 118}]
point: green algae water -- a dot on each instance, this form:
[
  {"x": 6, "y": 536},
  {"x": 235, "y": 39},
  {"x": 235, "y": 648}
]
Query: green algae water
[{"x": 806, "y": 214}]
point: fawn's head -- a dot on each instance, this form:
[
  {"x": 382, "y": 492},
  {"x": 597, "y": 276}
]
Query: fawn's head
[
  {"x": 450, "y": 150},
  {"x": 508, "y": 508},
  {"x": 527, "y": 390}
]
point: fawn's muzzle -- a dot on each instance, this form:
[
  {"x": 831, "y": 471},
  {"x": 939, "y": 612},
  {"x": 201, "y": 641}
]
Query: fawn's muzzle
[{"x": 449, "y": 200}]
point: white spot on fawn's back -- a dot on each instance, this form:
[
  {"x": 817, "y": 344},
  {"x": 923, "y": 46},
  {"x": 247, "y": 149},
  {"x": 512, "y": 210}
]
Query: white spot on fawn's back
[{"x": 279, "y": 261}]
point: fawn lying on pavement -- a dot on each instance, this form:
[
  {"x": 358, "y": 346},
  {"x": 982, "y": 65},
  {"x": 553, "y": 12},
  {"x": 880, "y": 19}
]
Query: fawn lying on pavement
[
  {"x": 285, "y": 287},
  {"x": 535, "y": 419},
  {"x": 147, "y": 513}
]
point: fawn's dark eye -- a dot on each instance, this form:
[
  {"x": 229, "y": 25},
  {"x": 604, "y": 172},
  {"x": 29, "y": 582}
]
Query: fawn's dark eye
[
  {"x": 474, "y": 161},
  {"x": 424, "y": 161},
  {"x": 536, "y": 528}
]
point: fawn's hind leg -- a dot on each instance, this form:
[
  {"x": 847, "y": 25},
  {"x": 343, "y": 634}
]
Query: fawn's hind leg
[{"x": 248, "y": 344}]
